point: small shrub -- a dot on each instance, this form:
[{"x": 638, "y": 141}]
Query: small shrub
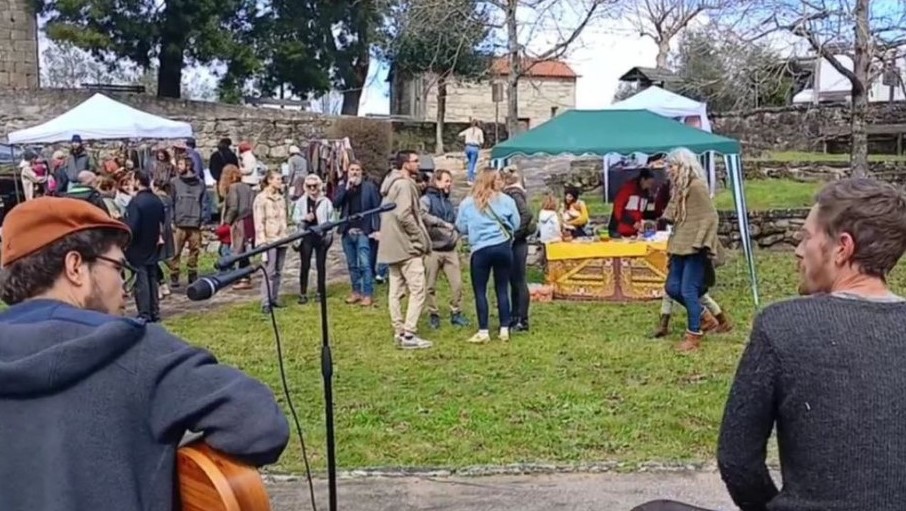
[{"x": 370, "y": 139}]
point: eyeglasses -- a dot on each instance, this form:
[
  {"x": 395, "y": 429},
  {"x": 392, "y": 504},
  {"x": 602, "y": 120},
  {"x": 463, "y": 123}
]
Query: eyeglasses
[
  {"x": 127, "y": 272},
  {"x": 312, "y": 186}
]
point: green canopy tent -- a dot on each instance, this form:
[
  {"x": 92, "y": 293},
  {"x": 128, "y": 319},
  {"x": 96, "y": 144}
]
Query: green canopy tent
[{"x": 606, "y": 132}]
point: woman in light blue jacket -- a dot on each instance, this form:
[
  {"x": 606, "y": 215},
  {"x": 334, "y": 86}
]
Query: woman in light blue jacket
[{"x": 488, "y": 218}]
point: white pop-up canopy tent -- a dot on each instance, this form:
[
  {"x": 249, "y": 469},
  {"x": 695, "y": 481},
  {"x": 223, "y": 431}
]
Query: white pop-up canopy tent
[
  {"x": 101, "y": 118},
  {"x": 666, "y": 104}
]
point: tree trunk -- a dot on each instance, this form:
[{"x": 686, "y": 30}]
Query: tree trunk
[
  {"x": 355, "y": 82},
  {"x": 663, "y": 51},
  {"x": 351, "y": 100},
  {"x": 169, "y": 75},
  {"x": 441, "y": 113},
  {"x": 515, "y": 68},
  {"x": 861, "y": 70}
]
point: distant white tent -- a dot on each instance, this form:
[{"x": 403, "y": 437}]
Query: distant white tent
[
  {"x": 101, "y": 118},
  {"x": 667, "y": 104}
]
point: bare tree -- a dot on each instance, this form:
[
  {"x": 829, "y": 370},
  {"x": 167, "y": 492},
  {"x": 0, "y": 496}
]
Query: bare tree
[
  {"x": 664, "y": 20},
  {"x": 546, "y": 16},
  {"x": 65, "y": 66},
  {"x": 870, "y": 36}
]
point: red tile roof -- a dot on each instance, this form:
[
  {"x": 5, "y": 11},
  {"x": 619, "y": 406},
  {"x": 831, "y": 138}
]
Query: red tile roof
[{"x": 536, "y": 68}]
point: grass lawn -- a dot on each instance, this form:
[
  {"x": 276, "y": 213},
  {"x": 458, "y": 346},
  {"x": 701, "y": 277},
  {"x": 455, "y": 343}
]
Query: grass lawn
[
  {"x": 586, "y": 385},
  {"x": 761, "y": 194}
]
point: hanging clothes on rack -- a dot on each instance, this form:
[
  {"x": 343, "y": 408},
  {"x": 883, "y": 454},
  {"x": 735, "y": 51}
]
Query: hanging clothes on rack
[{"x": 329, "y": 159}]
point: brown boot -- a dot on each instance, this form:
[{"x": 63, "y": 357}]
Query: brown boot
[
  {"x": 663, "y": 327},
  {"x": 723, "y": 324},
  {"x": 366, "y": 302},
  {"x": 354, "y": 298},
  {"x": 709, "y": 322},
  {"x": 691, "y": 342}
]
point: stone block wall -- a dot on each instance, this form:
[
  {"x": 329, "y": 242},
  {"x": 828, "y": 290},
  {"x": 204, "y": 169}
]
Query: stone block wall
[
  {"x": 539, "y": 100},
  {"x": 18, "y": 45},
  {"x": 270, "y": 130},
  {"x": 798, "y": 127}
]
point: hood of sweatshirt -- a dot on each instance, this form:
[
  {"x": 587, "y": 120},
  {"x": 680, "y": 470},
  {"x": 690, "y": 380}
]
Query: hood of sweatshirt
[
  {"x": 190, "y": 178},
  {"x": 47, "y": 346},
  {"x": 394, "y": 176}
]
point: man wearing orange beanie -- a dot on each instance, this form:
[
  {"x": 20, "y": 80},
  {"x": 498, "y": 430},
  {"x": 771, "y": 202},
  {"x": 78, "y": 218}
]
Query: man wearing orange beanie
[{"x": 94, "y": 404}]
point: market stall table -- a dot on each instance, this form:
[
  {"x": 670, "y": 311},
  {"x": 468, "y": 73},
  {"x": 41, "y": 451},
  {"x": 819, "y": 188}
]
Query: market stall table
[{"x": 611, "y": 270}]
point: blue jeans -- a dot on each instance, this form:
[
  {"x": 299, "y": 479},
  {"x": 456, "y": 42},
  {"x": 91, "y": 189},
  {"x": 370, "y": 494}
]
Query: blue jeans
[
  {"x": 378, "y": 269},
  {"x": 498, "y": 258},
  {"x": 472, "y": 159},
  {"x": 686, "y": 285},
  {"x": 357, "y": 248}
]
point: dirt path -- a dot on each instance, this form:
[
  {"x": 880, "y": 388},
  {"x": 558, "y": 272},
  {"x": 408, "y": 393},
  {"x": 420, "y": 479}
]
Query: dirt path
[{"x": 567, "y": 492}]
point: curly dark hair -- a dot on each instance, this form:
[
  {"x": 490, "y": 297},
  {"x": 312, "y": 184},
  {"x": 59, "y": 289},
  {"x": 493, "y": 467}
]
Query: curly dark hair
[{"x": 34, "y": 274}]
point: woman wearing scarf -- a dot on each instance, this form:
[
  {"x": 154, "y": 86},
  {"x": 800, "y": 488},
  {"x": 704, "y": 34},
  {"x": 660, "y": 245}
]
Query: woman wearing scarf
[
  {"x": 310, "y": 210},
  {"x": 693, "y": 241}
]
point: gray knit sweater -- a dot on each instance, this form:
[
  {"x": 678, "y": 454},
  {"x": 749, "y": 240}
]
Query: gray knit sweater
[{"x": 830, "y": 373}]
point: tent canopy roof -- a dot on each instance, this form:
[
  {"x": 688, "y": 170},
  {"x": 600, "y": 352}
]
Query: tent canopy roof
[
  {"x": 655, "y": 96},
  {"x": 101, "y": 118},
  {"x": 602, "y": 132}
]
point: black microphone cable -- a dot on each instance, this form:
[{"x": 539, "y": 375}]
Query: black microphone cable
[{"x": 286, "y": 393}]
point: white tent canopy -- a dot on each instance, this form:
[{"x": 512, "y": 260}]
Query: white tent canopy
[
  {"x": 666, "y": 104},
  {"x": 101, "y": 118}
]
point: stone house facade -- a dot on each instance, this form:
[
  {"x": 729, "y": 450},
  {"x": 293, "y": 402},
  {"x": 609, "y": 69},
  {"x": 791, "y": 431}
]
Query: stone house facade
[
  {"x": 18, "y": 45},
  {"x": 547, "y": 89}
]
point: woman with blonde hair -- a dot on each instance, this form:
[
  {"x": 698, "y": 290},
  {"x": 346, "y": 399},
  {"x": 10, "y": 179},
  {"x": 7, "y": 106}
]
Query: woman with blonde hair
[
  {"x": 237, "y": 213},
  {"x": 489, "y": 218},
  {"x": 313, "y": 208},
  {"x": 693, "y": 241}
]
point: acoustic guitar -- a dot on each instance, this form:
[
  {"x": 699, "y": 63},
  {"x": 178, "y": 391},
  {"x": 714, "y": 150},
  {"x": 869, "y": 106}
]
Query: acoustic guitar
[{"x": 212, "y": 481}]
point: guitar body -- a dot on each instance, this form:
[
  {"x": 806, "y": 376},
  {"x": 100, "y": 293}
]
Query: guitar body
[{"x": 212, "y": 481}]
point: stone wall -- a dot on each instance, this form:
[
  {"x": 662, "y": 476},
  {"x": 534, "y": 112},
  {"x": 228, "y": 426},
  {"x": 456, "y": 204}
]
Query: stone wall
[
  {"x": 539, "y": 100},
  {"x": 799, "y": 127},
  {"x": 271, "y": 130},
  {"x": 18, "y": 45},
  {"x": 891, "y": 171}
]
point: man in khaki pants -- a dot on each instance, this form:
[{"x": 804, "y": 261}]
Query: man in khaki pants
[
  {"x": 440, "y": 215},
  {"x": 404, "y": 243}
]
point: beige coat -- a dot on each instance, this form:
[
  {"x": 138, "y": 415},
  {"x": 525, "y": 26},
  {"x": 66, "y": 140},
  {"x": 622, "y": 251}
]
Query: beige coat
[
  {"x": 269, "y": 212},
  {"x": 698, "y": 230},
  {"x": 403, "y": 233}
]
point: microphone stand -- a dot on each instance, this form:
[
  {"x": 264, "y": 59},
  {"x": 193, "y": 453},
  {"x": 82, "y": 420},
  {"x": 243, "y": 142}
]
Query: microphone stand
[{"x": 326, "y": 355}]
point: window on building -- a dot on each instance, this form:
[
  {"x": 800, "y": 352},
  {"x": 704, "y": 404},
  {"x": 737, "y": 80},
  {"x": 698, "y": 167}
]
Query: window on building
[{"x": 554, "y": 110}]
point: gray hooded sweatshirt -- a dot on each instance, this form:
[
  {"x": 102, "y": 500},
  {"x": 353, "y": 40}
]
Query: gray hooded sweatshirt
[{"x": 94, "y": 406}]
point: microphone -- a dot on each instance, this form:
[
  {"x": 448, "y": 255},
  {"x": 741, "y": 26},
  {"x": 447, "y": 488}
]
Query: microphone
[
  {"x": 227, "y": 262},
  {"x": 205, "y": 287}
]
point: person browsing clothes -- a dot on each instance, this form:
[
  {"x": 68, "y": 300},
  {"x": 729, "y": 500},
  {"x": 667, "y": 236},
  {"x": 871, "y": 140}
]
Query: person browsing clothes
[{"x": 95, "y": 404}]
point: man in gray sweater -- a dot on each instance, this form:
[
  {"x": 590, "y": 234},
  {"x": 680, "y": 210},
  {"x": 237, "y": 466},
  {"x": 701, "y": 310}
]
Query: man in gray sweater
[{"x": 826, "y": 369}]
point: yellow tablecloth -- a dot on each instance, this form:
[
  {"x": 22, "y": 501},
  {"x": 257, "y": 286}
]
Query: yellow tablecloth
[
  {"x": 602, "y": 249},
  {"x": 614, "y": 270}
]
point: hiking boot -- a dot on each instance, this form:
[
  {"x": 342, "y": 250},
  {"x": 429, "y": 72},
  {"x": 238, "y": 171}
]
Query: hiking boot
[
  {"x": 723, "y": 323},
  {"x": 709, "y": 322},
  {"x": 663, "y": 327},
  {"x": 353, "y": 299},
  {"x": 434, "y": 321},
  {"x": 458, "y": 319},
  {"x": 366, "y": 302},
  {"x": 479, "y": 338},
  {"x": 411, "y": 342},
  {"x": 303, "y": 299},
  {"x": 691, "y": 342}
]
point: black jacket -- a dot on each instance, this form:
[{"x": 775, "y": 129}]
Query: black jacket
[
  {"x": 527, "y": 225},
  {"x": 145, "y": 217},
  {"x": 220, "y": 158}
]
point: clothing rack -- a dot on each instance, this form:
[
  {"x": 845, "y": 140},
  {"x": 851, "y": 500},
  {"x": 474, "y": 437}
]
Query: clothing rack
[{"x": 329, "y": 159}]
